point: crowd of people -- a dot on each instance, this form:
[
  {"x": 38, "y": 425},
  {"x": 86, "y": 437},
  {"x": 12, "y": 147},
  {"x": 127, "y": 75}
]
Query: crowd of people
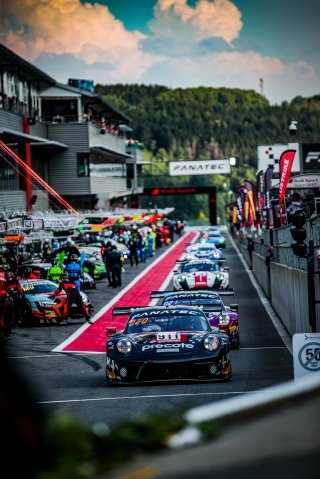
[{"x": 67, "y": 271}]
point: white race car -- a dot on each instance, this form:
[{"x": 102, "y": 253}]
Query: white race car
[{"x": 200, "y": 274}]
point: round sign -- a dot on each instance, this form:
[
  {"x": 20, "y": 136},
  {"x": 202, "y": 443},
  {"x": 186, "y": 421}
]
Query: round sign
[{"x": 309, "y": 357}]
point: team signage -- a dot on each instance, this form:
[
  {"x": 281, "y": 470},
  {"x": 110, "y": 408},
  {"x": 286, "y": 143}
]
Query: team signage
[
  {"x": 107, "y": 169},
  {"x": 311, "y": 157},
  {"x": 210, "y": 167},
  {"x": 306, "y": 354},
  {"x": 301, "y": 182}
]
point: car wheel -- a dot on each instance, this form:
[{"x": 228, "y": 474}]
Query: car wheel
[{"x": 27, "y": 316}]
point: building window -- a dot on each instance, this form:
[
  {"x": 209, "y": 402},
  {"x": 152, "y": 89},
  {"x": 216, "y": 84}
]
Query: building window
[
  {"x": 6, "y": 170},
  {"x": 83, "y": 164}
]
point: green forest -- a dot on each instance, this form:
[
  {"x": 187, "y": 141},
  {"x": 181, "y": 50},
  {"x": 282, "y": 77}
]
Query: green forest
[{"x": 204, "y": 124}]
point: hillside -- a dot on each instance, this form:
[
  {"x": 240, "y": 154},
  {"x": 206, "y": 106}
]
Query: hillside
[{"x": 208, "y": 123}]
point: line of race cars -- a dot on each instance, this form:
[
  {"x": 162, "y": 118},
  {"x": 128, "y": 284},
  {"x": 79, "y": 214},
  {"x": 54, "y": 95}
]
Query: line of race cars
[{"x": 189, "y": 335}]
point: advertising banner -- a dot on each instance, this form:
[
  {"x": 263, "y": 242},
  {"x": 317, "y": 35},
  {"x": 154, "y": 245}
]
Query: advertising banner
[
  {"x": 267, "y": 187},
  {"x": 210, "y": 167},
  {"x": 260, "y": 191},
  {"x": 107, "y": 169},
  {"x": 286, "y": 161},
  {"x": 310, "y": 157}
]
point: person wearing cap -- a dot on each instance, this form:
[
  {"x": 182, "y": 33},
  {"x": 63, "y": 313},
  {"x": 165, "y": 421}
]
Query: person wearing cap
[{"x": 73, "y": 297}]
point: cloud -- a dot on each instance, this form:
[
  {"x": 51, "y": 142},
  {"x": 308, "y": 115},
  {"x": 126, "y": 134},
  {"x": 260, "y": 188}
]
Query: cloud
[
  {"x": 188, "y": 47},
  {"x": 175, "y": 19},
  {"x": 88, "y": 32},
  {"x": 238, "y": 70}
]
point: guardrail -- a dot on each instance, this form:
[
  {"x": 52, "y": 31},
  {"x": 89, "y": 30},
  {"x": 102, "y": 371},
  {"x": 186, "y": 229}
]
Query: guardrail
[{"x": 281, "y": 239}]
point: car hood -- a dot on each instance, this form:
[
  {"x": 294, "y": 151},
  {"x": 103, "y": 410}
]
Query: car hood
[{"x": 33, "y": 298}]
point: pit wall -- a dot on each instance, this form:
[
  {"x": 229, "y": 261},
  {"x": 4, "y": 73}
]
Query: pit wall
[{"x": 287, "y": 290}]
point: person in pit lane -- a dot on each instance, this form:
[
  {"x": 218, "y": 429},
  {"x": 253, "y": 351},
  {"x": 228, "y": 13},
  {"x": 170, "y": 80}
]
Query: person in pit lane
[
  {"x": 28, "y": 274},
  {"x": 73, "y": 297}
]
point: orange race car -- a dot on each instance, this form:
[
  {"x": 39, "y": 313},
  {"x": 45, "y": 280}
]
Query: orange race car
[{"x": 37, "y": 305}]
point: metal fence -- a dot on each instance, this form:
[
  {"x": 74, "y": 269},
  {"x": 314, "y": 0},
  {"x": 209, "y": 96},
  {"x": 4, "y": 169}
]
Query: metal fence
[{"x": 282, "y": 240}]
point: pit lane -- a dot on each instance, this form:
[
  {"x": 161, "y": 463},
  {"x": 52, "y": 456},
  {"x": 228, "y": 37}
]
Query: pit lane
[{"x": 75, "y": 382}]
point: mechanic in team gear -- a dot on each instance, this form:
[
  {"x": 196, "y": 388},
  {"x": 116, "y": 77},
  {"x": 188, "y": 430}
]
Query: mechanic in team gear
[
  {"x": 116, "y": 267},
  {"x": 28, "y": 274},
  {"x": 74, "y": 270},
  {"x": 73, "y": 297},
  {"x": 6, "y": 314},
  {"x": 55, "y": 273},
  {"x": 15, "y": 291},
  {"x": 107, "y": 258}
]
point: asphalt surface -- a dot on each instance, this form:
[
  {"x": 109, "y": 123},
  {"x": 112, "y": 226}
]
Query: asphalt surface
[{"x": 285, "y": 440}]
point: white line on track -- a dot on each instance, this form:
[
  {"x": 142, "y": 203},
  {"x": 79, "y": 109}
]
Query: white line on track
[
  {"x": 264, "y": 300},
  {"x": 155, "y": 396}
]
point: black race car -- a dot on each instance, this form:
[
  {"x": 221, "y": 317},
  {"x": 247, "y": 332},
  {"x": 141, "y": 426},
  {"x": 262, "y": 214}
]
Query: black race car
[
  {"x": 219, "y": 315},
  {"x": 162, "y": 343}
]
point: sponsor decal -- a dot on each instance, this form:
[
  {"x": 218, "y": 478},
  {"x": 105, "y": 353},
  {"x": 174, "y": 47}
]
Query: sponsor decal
[
  {"x": 111, "y": 363},
  {"x": 211, "y": 167},
  {"x": 200, "y": 279},
  {"x": 171, "y": 336},
  {"x": 167, "y": 346}
]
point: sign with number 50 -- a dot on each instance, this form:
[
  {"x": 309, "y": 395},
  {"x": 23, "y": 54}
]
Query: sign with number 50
[{"x": 306, "y": 354}]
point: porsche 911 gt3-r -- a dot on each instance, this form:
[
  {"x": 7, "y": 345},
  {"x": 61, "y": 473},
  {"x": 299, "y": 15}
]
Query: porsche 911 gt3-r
[
  {"x": 203, "y": 251},
  {"x": 219, "y": 315},
  {"x": 200, "y": 274},
  {"x": 166, "y": 343}
]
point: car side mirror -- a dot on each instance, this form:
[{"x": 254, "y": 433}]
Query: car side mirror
[
  {"x": 233, "y": 307},
  {"x": 110, "y": 331}
]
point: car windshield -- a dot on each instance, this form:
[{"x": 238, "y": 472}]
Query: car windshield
[
  {"x": 38, "y": 287},
  {"x": 193, "y": 268},
  {"x": 166, "y": 320}
]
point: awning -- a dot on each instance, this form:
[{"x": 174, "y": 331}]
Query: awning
[{"x": 10, "y": 136}]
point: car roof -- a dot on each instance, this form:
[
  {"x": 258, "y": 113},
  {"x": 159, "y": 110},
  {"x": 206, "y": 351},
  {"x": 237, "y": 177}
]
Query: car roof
[{"x": 38, "y": 281}]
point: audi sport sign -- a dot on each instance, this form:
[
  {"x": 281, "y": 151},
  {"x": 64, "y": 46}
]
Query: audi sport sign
[{"x": 210, "y": 167}]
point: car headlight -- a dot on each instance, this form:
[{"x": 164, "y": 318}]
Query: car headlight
[
  {"x": 181, "y": 278},
  {"x": 224, "y": 319},
  {"x": 211, "y": 343},
  {"x": 220, "y": 276},
  {"x": 45, "y": 304},
  {"x": 124, "y": 346}
]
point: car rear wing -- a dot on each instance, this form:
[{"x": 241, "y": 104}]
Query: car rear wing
[
  {"x": 220, "y": 292},
  {"x": 184, "y": 261},
  {"x": 125, "y": 310}
]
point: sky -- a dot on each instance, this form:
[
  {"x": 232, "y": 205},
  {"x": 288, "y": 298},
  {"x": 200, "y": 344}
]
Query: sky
[{"x": 270, "y": 46}]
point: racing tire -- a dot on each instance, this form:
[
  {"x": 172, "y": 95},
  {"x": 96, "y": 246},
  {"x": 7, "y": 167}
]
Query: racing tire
[{"x": 27, "y": 318}]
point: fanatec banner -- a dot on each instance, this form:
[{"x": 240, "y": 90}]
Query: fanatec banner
[{"x": 210, "y": 167}]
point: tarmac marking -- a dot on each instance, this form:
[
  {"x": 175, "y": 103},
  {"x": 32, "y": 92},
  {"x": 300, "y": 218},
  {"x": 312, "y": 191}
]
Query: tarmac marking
[{"x": 154, "y": 396}]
